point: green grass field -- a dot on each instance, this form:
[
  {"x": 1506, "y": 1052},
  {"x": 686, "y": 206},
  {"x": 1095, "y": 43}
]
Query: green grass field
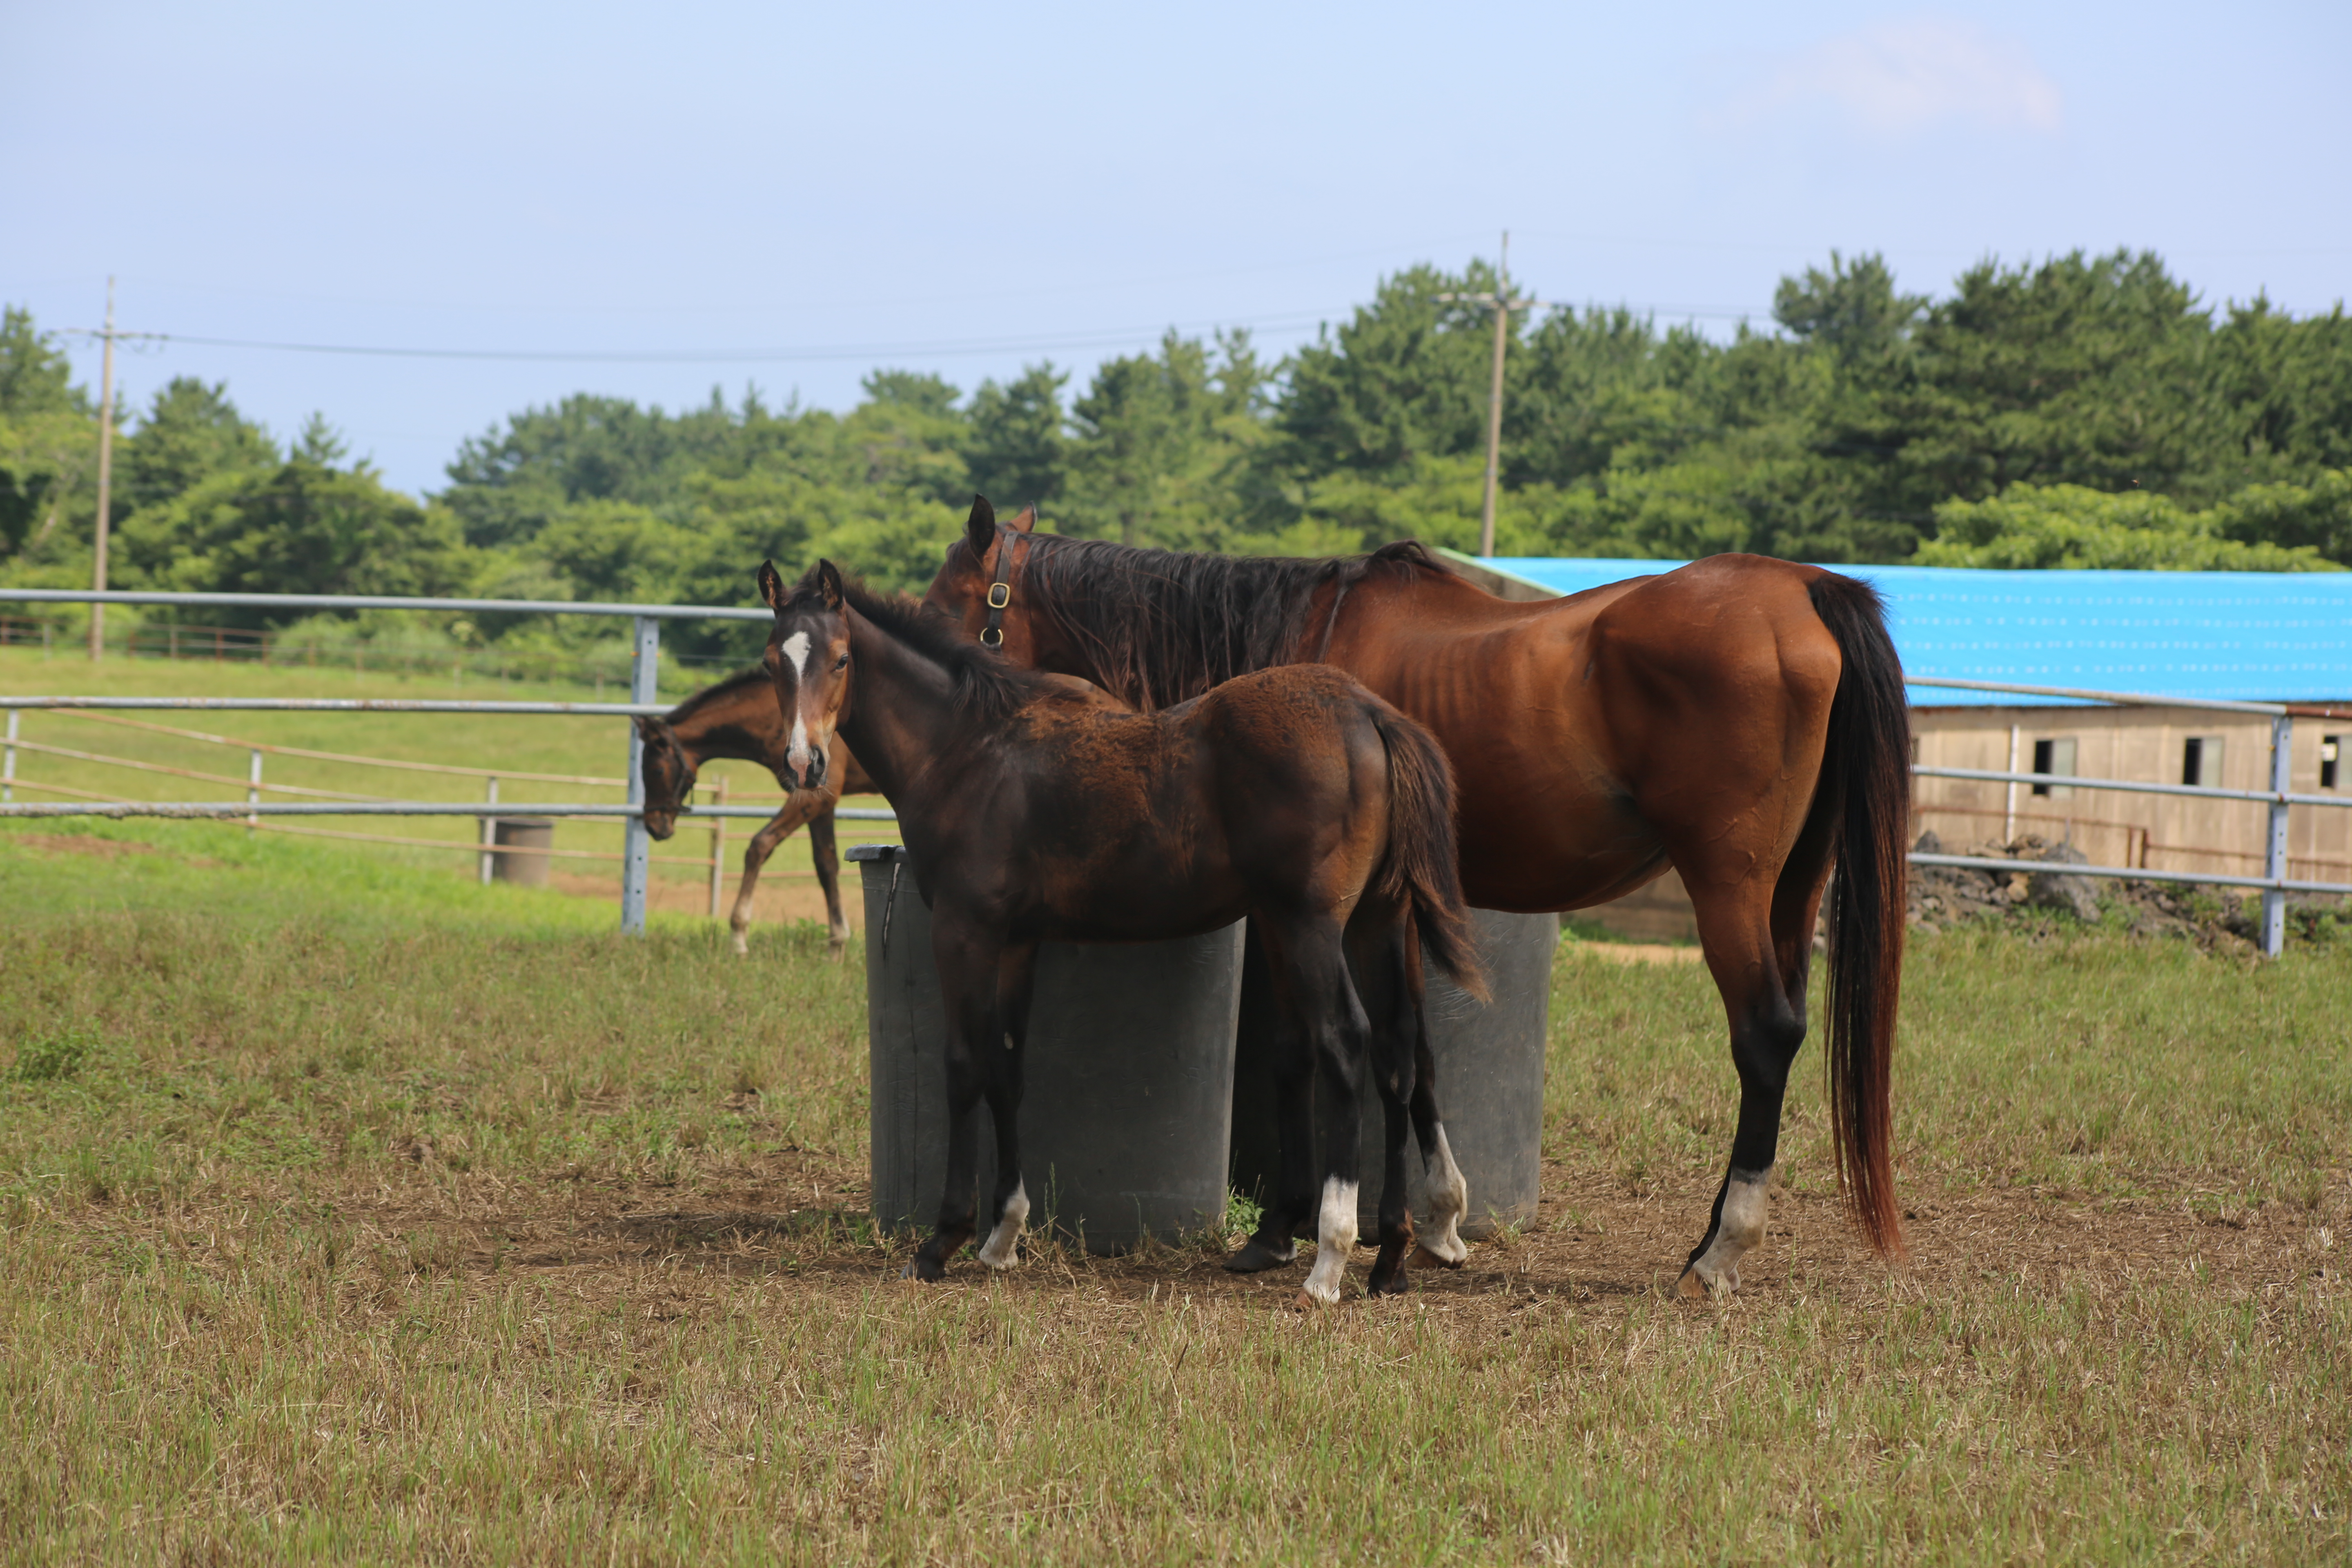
[{"x": 350, "y": 1211}]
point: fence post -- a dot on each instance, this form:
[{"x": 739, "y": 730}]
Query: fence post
[
  {"x": 718, "y": 848},
  {"x": 489, "y": 833},
  {"x": 8, "y": 761},
  {"x": 2009, "y": 808},
  {"x": 253, "y": 792},
  {"x": 2274, "y": 852},
  {"x": 646, "y": 654}
]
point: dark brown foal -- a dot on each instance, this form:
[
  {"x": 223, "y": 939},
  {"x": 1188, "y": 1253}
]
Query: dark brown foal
[
  {"x": 737, "y": 719},
  {"x": 1038, "y": 808}
]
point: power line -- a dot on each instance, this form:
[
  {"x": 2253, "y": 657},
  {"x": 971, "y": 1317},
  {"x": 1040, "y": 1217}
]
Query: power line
[
  {"x": 1105, "y": 337},
  {"x": 1097, "y": 338}
]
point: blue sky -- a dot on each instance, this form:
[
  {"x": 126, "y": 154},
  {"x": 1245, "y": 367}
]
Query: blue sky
[{"x": 968, "y": 189}]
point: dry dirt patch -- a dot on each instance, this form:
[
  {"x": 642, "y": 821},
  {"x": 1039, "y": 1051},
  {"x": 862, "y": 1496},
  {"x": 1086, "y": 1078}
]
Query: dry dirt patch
[
  {"x": 801, "y": 1216},
  {"x": 83, "y": 844}
]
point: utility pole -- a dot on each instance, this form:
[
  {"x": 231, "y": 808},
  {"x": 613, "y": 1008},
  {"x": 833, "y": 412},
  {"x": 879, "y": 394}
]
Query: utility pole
[
  {"x": 105, "y": 476},
  {"x": 1503, "y": 304}
]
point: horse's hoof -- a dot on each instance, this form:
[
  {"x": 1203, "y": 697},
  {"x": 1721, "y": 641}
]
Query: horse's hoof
[
  {"x": 1425, "y": 1258},
  {"x": 928, "y": 1270},
  {"x": 1308, "y": 1300},
  {"x": 1392, "y": 1284},
  {"x": 1692, "y": 1288},
  {"x": 1255, "y": 1257}
]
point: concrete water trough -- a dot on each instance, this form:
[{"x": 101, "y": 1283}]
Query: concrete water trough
[
  {"x": 1490, "y": 1076},
  {"x": 1128, "y": 1112}
]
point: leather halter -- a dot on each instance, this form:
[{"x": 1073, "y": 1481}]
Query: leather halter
[{"x": 1000, "y": 592}]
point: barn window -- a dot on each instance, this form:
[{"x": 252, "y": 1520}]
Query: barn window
[
  {"x": 2200, "y": 761},
  {"x": 2330, "y": 747},
  {"x": 2057, "y": 759}
]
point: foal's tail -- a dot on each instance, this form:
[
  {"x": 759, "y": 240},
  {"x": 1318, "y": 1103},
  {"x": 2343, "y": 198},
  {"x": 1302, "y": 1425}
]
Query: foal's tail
[
  {"x": 1420, "y": 866},
  {"x": 1866, "y": 784}
]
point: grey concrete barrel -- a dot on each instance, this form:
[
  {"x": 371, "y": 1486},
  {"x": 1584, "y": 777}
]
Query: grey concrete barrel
[
  {"x": 523, "y": 833},
  {"x": 1128, "y": 1112},
  {"x": 1490, "y": 1077}
]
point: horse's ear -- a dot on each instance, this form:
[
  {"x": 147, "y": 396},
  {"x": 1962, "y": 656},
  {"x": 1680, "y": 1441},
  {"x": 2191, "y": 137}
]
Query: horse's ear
[
  {"x": 1024, "y": 520},
  {"x": 828, "y": 582},
  {"x": 771, "y": 585},
  {"x": 645, "y": 730},
  {"x": 979, "y": 528}
]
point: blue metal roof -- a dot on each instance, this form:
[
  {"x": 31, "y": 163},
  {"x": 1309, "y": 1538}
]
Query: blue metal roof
[{"x": 2246, "y": 636}]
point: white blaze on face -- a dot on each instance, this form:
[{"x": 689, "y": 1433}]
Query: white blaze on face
[
  {"x": 1001, "y": 1249},
  {"x": 1741, "y": 1227},
  {"x": 1449, "y": 1200},
  {"x": 1335, "y": 1237},
  {"x": 796, "y": 649}
]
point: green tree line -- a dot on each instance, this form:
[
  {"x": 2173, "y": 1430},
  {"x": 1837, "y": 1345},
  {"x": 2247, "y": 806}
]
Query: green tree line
[{"x": 2078, "y": 411}]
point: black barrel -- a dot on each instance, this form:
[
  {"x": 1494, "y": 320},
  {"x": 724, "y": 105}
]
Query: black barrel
[
  {"x": 1490, "y": 1077},
  {"x": 1128, "y": 1113}
]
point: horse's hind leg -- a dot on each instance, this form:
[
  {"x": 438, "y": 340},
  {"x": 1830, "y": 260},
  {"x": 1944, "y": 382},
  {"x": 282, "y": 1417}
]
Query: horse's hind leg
[
  {"x": 1448, "y": 1188},
  {"x": 1380, "y": 948},
  {"x": 1308, "y": 959},
  {"x": 828, "y": 877},
  {"x": 1275, "y": 1242},
  {"x": 968, "y": 973},
  {"x": 1004, "y": 1077},
  {"x": 1759, "y": 943}
]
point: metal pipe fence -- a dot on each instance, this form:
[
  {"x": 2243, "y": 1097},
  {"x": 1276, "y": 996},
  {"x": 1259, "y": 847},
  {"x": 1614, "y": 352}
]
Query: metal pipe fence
[
  {"x": 645, "y": 644},
  {"x": 646, "y": 648},
  {"x": 237, "y": 810},
  {"x": 2274, "y": 883}
]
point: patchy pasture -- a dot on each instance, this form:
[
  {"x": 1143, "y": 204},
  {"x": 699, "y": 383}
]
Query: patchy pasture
[{"x": 350, "y": 1210}]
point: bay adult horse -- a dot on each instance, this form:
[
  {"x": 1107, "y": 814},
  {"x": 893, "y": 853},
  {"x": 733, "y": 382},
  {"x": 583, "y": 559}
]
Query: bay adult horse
[
  {"x": 1037, "y": 808},
  {"x": 1741, "y": 720},
  {"x": 737, "y": 719}
]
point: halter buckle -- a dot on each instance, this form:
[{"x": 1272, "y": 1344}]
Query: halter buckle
[{"x": 1000, "y": 594}]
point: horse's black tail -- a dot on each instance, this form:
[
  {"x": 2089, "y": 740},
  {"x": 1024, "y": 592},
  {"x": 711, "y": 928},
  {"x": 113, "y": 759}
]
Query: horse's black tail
[
  {"x": 1866, "y": 784},
  {"x": 1421, "y": 867}
]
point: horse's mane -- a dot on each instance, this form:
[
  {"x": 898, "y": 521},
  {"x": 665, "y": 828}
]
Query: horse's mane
[
  {"x": 985, "y": 685},
  {"x": 1161, "y": 626},
  {"x": 726, "y": 689}
]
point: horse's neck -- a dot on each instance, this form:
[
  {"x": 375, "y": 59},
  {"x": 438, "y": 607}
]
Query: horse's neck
[
  {"x": 745, "y": 726},
  {"x": 902, "y": 711}
]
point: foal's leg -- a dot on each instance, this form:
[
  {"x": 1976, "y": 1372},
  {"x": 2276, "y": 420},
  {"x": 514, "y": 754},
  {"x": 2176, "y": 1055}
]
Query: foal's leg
[
  {"x": 1449, "y": 1189},
  {"x": 828, "y": 877},
  {"x": 1378, "y": 946},
  {"x": 1288, "y": 1204},
  {"x": 1758, "y": 940},
  {"x": 1005, "y": 1080},
  {"x": 1309, "y": 961},
  {"x": 968, "y": 961},
  {"x": 755, "y": 855}
]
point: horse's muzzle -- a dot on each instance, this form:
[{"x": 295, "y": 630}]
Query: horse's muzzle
[{"x": 660, "y": 825}]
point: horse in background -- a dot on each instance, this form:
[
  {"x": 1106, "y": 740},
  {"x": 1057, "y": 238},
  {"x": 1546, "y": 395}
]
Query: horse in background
[
  {"x": 1038, "y": 808},
  {"x": 1741, "y": 720},
  {"x": 737, "y": 719}
]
